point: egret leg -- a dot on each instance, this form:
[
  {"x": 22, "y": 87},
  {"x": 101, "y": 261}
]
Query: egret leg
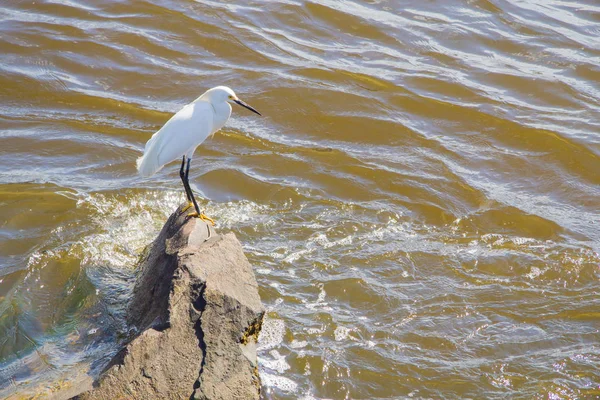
[
  {"x": 197, "y": 213},
  {"x": 185, "y": 185}
]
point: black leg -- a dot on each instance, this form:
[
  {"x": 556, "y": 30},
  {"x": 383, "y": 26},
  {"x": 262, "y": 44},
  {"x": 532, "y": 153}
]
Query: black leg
[
  {"x": 187, "y": 180},
  {"x": 182, "y": 176}
]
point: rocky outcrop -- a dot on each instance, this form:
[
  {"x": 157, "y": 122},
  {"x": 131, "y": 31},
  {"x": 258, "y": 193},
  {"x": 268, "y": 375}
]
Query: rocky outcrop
[{"x": 197, "y": 312}]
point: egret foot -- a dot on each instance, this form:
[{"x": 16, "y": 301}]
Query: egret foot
[
  {"x": 190, "y": 205},
  {"x": 203, "y": 217}
]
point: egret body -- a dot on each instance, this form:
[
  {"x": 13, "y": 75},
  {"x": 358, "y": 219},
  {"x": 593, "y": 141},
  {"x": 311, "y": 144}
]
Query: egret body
[{"x": 184, "y": 132}]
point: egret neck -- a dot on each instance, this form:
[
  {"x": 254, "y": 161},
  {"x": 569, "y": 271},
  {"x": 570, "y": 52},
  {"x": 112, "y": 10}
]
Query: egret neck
[{"x": 222, "y": 114}]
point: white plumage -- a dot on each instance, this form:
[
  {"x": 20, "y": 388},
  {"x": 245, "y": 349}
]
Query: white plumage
[
  {"x": 185, "y": 131},
  {"x": 180, "y": 136}
]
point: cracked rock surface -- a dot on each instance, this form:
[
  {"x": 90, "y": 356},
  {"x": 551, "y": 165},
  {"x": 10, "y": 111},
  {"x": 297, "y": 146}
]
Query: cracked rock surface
[{"x": 198, "y": 314}]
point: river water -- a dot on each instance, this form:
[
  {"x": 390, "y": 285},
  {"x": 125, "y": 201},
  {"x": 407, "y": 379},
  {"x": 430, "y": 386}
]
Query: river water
[{"x": 419, "y": 201}]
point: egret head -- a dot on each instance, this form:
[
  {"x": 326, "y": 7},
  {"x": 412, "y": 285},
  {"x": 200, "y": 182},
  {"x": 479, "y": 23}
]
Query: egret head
[{"x": 224, "y": 94}]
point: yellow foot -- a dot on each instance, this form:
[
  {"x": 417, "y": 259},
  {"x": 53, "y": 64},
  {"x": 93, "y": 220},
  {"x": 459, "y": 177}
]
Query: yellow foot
[
  {"x": 203, "y": 217},
  {"x": 190, "y": 205}
]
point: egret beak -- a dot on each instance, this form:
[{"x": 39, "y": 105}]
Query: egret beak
[{"x": 241, "y": 103}]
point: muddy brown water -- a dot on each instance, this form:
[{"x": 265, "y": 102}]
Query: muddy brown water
[{"x": 420, "y": 199}]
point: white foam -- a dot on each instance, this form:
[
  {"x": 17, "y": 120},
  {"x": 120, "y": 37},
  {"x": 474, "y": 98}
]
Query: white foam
[
  {"x": 341, "y": 333},
  {"x": 271, "y": 334},
  {"x": 315, "y": 331},
  {"x": 232, "y": 214},
  {"x": 276, "y": 362},
  {"x": 298, "y": 344},
  {"x": 279, "y": 382},
  {"x": 125, "y": 227}
]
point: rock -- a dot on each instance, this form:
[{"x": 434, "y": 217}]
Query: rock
[{"x": 198, "y": 313}]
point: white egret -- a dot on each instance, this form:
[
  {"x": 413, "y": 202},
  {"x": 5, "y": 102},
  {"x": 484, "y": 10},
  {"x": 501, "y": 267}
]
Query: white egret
[{"x": 184, "y": 132}]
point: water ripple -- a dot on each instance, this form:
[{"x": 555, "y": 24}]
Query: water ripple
[{"x": 419, "y": 201}]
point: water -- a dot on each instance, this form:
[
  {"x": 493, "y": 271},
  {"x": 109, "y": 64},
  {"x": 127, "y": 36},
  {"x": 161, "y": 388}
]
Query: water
[{"x": 420, "y": 200}]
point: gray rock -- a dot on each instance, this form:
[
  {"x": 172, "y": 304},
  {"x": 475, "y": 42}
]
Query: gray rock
[{"x": 198, "y": 313}]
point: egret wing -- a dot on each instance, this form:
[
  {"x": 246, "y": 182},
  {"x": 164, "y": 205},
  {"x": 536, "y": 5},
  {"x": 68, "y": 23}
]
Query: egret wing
[{"x": 185, "y": 131}]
